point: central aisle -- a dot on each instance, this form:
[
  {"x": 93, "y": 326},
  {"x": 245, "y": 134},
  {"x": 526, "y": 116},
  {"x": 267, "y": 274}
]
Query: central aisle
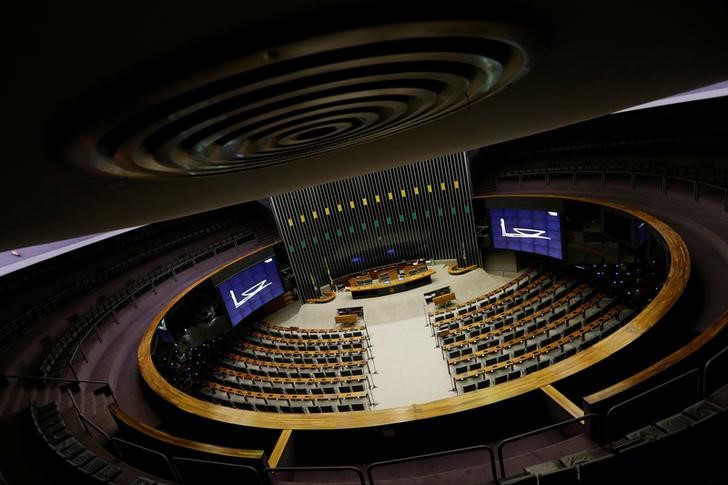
[{"x": 410, "y": 369}]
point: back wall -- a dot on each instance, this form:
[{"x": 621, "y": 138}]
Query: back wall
[{"x": 422, "y": 210}]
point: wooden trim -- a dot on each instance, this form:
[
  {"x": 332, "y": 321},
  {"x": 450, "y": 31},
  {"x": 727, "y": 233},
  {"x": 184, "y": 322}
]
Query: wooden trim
[
  {"x": 673, "y": 287},
  {"x": 442, "y": 299},
  {"x": 661, "y": 365},
  {"x": 563, "y": 401},
  {"x": 456, "y": 270},
  {"x": 347, "y": 318},
  {"x": 328, "y": 296},
  {"x": 280, "y": 447},
  {"x": 118, "y": 414}
]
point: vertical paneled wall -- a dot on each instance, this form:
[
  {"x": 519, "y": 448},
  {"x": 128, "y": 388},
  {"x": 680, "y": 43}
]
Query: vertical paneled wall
[{"x": 423, "y": 210}]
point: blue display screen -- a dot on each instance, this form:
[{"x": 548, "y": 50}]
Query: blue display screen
[
  {"x": 250, "y": 289},
  {"x": 530, "y": 230}
]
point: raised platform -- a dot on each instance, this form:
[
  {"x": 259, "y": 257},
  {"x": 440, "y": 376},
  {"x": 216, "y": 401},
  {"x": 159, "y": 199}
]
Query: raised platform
[
  {"x": 381, "y": 289},
  {"x": 390, "y": 279}
]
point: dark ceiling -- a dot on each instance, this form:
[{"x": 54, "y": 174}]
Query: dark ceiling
[{"x": 70, "y": 67}]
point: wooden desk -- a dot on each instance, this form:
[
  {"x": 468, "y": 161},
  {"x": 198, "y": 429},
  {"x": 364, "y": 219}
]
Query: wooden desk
[
  {"x": 346, "y": 319},
  {"x": 414, "y": 276},
  {"x": 442, "y": 299},
  {"x": 432, "y": 294}
]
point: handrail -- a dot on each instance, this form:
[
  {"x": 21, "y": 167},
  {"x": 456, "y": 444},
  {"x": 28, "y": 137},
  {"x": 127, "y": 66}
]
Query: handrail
[
  {"x": 176, "y": 459},
  {"x": 658, "y": 368},
  {"x": 583, "y": 169},
  {"x": 94, "y": 327},
  {"x": 501, "y": 462},
  {"x": 140, "y": 285},
  {"x": 358, "y": 472},
  {"x": 649, "y": 391},
  {"x": 168, "y": 439},
  {"x": 705, "y": 370},
  {"x": 181, "y": 241},
  {"x": 86, "y": 420},
  {"x": 622, "y": 171},
  {"x": 434, "y": 455},
  {"x": 62, "y": 379},
  {"x": 172, "y": 470}
]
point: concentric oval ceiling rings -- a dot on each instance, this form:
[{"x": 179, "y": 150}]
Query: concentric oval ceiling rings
[{"x": 307, "y": 98}]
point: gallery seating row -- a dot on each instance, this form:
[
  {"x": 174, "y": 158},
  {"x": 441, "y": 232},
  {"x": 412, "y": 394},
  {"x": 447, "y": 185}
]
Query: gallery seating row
[
  {"x": 504, "y": 290},
  {"x": 564, "y": 310},
  {"x": 511, "y": 364},
  {"x": 293, "y": 368},
  {"x": 42, "y": 306},
  {"x": 268, "y": 373},
  {"x": 474, "y": 335},
  {"x": 284, "y": 403},
  {"x": 503, "y": 303},
  {"x": 243, "y": 362},
  {"x": 522, "y": 310},
  {"x": 662, "y": 452},
  {"x": 292, "y": 379},
  {"x": 52, "y": 429},
  {"x": 61, "y": 354},
  {"x": 228, "y": 377},
  {"x": 285, "y": 343},
  {"x": 267, "y": 349},
  {"x": 322, "y": 359},
  {"x": 310, "y": 333}
]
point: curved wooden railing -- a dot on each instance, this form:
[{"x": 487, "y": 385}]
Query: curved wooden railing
[
  {"x": 155, "y": 435},
  {"x": 457, "y": 270},
  {"x": 328, "y": 296},
  {"x": 672, "y": 289},
  {"x": 610, "y": 393}
]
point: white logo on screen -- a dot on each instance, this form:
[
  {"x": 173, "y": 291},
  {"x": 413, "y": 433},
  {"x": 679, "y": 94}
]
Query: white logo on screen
[
  {"x": 249, "y": 293},
  {"x": 522, "y": 232}
]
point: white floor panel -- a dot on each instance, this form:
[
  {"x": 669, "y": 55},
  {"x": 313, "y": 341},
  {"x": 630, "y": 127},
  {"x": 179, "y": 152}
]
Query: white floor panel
[{"x": 410, "y": 368}]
